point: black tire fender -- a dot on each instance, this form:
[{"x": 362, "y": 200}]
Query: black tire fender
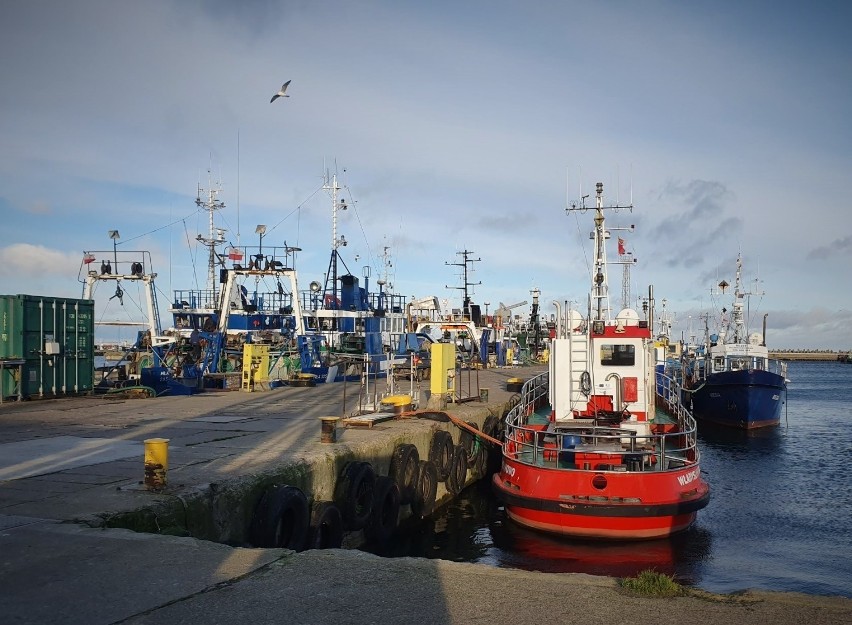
[
  {"x": 491, "y": 426},
  {"x": 404, "y": 470},
  {"x": 441, "y": 453},
  {"x": 472, "y": 444},
  {"x": 385, "y": 513},
  {"x": 281, "y": 519},
  {"x": 326, "y": 526},
  {"x": 423, "y": 503},
  {"x": 458, "y": 471},
  {"x": 494, "y": 453},
  {"x": 355, "y": 494}
]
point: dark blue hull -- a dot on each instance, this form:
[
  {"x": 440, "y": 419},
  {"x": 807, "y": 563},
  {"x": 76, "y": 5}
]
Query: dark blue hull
[{"x": 744, "y": 399}]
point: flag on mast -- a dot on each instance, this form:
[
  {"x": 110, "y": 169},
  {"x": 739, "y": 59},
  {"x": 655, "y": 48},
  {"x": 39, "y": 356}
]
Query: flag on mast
[{"x": 621, "y": 251}]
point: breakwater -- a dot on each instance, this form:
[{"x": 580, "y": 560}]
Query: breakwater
[{"x": 809, "y": 356}]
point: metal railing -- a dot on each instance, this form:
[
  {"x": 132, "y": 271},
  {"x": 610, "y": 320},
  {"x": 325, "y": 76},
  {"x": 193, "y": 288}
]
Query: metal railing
[{"x": 584, "y": 444}]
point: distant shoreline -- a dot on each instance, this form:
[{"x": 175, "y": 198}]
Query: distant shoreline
[{"x": 811, "y": 356}]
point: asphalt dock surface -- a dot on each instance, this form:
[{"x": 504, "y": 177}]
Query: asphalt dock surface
[{"x": 68, "y": 466}]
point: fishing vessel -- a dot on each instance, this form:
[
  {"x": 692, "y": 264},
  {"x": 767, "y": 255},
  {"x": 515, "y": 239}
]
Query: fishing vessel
[
  {"x": 586, "y": 452},
  {"x": 730, "y": 380},
  {"x": 152, "y": 362},
  {"x": 252, "y": 307}
]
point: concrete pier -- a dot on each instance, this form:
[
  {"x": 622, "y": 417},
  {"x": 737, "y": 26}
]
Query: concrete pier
[
  {"x": 72, "y": 471},
  {"x": 81, "y": 459}
]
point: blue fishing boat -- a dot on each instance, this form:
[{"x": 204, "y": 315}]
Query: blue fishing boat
[{"x": 730, "y": 379}]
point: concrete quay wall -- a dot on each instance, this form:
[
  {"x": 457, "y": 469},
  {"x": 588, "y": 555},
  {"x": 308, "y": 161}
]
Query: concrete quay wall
[
  {"x": 225, "y": 450},
  {"x": 222, "y": 511}
]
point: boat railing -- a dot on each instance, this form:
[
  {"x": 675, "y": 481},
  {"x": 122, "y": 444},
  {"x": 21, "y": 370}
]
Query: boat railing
[
  {"x": 584, "y": 444},
  {"x": 777, "y": 366},
  {"x": 206, "y": 299}
]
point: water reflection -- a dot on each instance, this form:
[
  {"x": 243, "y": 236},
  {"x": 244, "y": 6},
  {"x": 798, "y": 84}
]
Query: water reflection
[
  {"x": 474, "y": 528},
  {"x": 679, "y": 556}
]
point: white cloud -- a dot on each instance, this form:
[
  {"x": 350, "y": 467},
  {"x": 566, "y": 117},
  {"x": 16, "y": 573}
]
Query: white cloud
[{"x": 457, "y": 124}]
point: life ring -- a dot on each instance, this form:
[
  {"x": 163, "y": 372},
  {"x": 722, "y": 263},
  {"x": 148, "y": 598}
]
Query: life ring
[
  {"x": 385, "y": 512},
  {"x": 281, "y": 519},
  {"x": 403, "y": 470},
  {"x": 458, "y": 472},
  {"x": 423, "y": 503},
  {"x": 326, "y": 526},
  {"x": 585, "y": 383},
  {"x": 355, "y": 494},
  {"x": 441, "y": 453}
]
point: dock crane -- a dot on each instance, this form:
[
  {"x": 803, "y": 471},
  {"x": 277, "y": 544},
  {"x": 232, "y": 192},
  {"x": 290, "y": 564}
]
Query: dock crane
[{"x": 504, "y": 312}]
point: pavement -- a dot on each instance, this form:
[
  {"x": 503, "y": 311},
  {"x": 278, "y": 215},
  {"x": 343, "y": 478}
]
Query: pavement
[{"x": 69, "y": 467}]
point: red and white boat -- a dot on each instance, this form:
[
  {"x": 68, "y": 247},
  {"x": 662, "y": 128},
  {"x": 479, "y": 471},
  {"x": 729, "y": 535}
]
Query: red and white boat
[{"x": 586, "y": 451}]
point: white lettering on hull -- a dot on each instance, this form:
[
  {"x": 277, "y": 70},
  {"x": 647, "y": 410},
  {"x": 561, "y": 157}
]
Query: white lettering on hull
[{"x": 688, "y": 478}]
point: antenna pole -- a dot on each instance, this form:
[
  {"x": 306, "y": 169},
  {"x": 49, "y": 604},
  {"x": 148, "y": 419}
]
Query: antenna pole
[{"x": 464, "y": 265}]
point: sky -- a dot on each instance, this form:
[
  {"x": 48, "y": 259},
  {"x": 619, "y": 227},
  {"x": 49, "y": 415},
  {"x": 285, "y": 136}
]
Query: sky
[{"x": 450, "y": 126}]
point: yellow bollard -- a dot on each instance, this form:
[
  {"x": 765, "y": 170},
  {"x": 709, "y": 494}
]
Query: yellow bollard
[{"x": 156, "y": 462}]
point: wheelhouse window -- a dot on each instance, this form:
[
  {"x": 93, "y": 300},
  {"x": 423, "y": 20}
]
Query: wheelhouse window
[
  {"x": 618, "y": 355},
  {"x": 719, "y": 363}
]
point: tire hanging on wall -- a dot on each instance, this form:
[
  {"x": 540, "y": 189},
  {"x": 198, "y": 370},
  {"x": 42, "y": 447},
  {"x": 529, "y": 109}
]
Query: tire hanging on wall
[
  {"x": 355, "y": 494},
  {"x": 404, "y": 470},
  {"x": 494, "y": 453},
  {"x": 326, "y": 530},
  {"x": 472, "y": 444},
  {"x": 441, "y": 453},
  {"x": 423, "y": 503},
  {"x": 385, "y": 512},
  {"x": 281, "y": 519},
  {"x": 458, "y": 471}
]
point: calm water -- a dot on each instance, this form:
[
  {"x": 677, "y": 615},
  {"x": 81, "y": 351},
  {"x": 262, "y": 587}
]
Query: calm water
[{"x": 780, "y": 517}]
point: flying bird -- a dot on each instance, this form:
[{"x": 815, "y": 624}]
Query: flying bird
[{"x": 282, "y": 93}]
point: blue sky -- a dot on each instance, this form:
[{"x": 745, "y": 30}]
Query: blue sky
[{"x": 452, "y": 125}]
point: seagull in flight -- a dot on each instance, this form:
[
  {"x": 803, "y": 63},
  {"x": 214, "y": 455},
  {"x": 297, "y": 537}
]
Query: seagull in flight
[{"x": 282, "y": 93}]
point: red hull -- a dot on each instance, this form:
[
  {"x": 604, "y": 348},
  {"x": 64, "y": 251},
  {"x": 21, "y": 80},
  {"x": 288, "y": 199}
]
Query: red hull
[{"x": 630, "y": 506}]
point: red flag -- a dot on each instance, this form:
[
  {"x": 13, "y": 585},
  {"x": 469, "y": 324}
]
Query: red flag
[{"x": 621, "y": 246}]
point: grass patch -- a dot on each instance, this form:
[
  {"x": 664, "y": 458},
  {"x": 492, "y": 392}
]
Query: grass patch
[{"x": 652, "y": 584}]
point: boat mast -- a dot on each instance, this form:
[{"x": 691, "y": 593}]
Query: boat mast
[
  {"x": 600, "y": 283},
  {"x": 465, "y": 265},
  {"x": 215, "y": 236},
  {"x": 336, "y": 241}
]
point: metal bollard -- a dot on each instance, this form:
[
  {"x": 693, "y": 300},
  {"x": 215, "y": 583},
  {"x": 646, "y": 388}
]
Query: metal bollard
[
  {"x": 156, "y": 463},
  {"x": 328, "y": 432}
]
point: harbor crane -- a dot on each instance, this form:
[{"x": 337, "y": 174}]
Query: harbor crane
[{"x": 504, "y": 313}]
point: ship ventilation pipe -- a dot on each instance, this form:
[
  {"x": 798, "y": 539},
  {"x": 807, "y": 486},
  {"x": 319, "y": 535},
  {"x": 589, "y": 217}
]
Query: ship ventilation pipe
[{"x": 764, "y": 329}]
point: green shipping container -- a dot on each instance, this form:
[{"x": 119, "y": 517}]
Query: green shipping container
[{"x": 55, "y": 339}]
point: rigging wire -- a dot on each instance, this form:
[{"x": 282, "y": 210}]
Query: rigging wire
[
  {"x": 360, "y": 225},
  {"x": 182, "y": 219},
  {"x": 191, "y": 255},
  {"x": 581, "y": 246},
  {"x": 298, "y": 208}
]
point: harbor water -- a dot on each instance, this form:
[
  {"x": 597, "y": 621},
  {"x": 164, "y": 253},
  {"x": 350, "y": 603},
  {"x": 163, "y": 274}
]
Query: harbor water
[{"x": 780, "y": 516}]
